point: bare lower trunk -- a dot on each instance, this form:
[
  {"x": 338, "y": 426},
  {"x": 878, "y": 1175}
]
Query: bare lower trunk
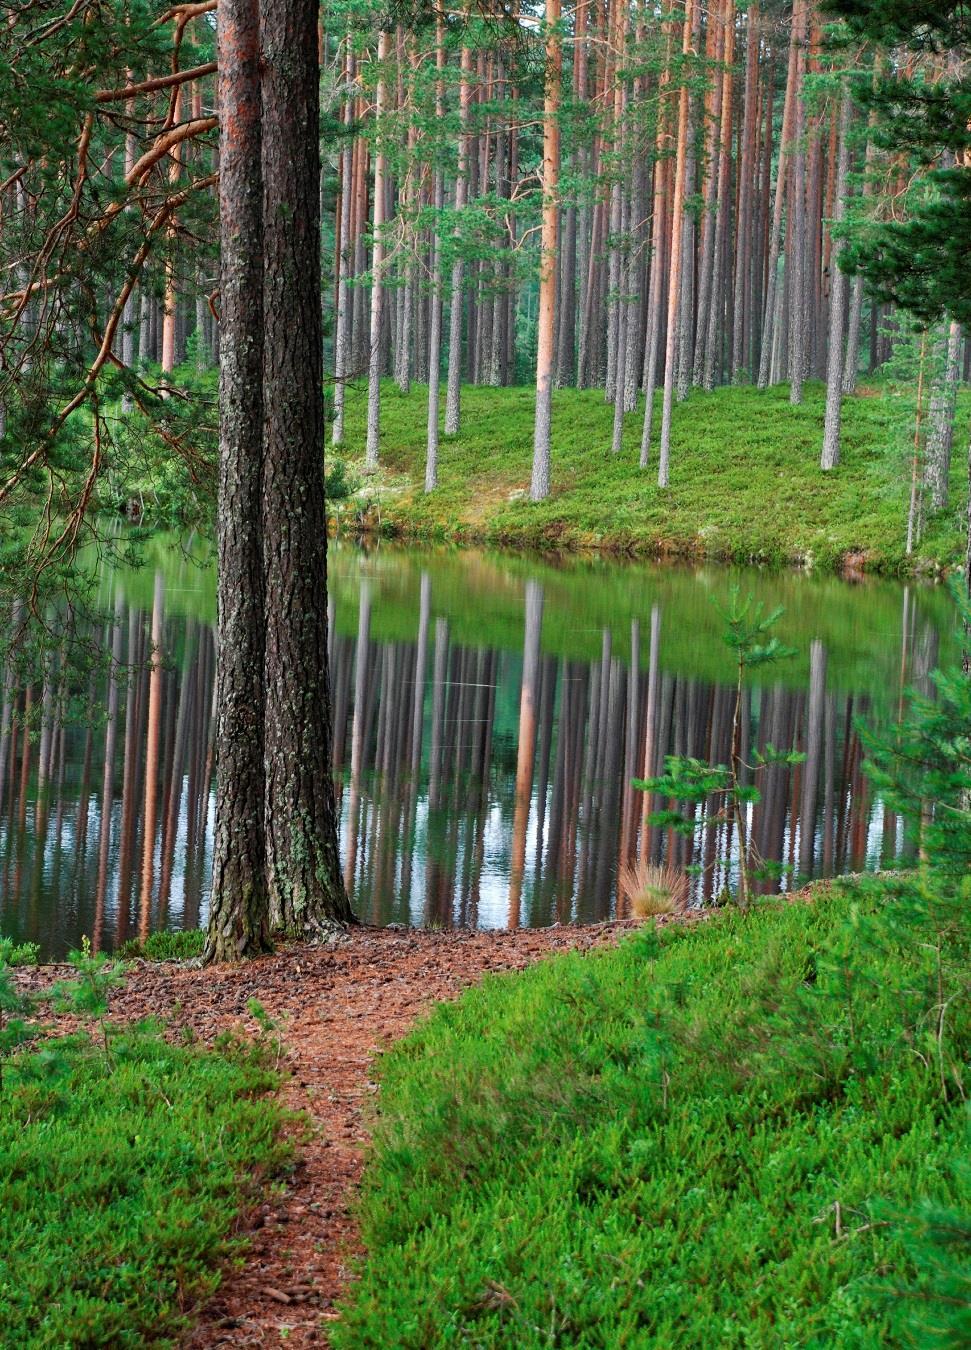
[
  {"x": 453, "y": 393},
  {"x": 770, "y": 321},
  {"x": 540, "y": 484},
  {"x": 940, "y": 417},
  {"x": 676, "y": 264},
  {"x": 239, "y": 908},
  {"x": 375, "y": 360},
  {"x": 343, "y": 319},
  {"x": 306, "y": 888},
  {"x": 435, "y": 315},
  {"x": 835, "y": 364}
]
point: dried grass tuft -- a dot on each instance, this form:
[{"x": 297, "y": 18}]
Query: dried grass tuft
[{"x": 648, "y": 889}]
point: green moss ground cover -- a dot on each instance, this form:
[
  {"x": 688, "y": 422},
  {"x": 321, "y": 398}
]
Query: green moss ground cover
[
  {"x": 745, "y": 478},
  {"x": 723, "y": 1134},
  {"x": 120, "y": 1182}
]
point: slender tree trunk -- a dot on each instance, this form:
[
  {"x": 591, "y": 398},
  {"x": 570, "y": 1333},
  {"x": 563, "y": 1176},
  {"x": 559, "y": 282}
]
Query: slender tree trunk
[
  {"x": 239, "y": 908},
  {"x": 746, "y": 193},
  {"x": 706, "y": 258},
  {"x": 913, "y": 530},
  {"x": 306, "y": 888},
  {"x": 835, "y": 364},
  {"x": 540, "y": 485},
  {"x": 453, "y": 393},
  {"x": 716, "y": 305},
  {"x": 171, "y": 301},
  {"x": 940, "y": 416},
  {"x": 677, "y": 262},
  {"x": 342, "y": 325},
  {"x": 772, "y": 298},
  {"x": 375, "y": 362},
  {"x": 796, "y": 236},
  {"x": 435, "y": 318}
]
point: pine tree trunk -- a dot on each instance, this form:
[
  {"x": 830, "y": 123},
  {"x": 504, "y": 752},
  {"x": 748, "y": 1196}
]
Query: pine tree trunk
[
  {"x": 796, "y": 242},
  {"x": 376, "y": 360},
  {"x": 676, "y": 261},
  {"x": 716, "y": 304},
  {"x": 342, "y": 324},
  {"x": 940, "y": 417},
  {"x": 835, "y": 363},
  {"x": 435, "y": 317},
  {"x": 707, "y": 251},
  {"x": 453, "y": 393},
  {"x": 773, "y": 305},
  {"x": 743, "y": 231},
  {"x": 239, "y": 907},
  {"x": 540, "y": 483},
  {"x": 306, "y": 889}
]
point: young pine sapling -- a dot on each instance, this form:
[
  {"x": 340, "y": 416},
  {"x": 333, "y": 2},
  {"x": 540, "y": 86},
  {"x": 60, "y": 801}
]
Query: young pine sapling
[{"x": 691, "y": 782}]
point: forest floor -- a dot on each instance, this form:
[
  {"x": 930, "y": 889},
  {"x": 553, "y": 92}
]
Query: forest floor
[
  {"x": 336, "y": 1008},
  {"x": 745, "y": 479}
]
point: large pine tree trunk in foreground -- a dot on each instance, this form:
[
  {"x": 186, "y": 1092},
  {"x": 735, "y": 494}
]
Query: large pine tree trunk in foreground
[
  {"x": 306, "y": 889},
  {"x": 239, "y": 909}
]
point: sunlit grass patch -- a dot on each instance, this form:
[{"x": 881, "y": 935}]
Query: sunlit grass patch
[{"x": 745, "y": 478}]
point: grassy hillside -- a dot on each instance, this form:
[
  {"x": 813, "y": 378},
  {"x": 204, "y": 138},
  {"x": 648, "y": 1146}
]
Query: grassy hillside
[
  {"x": 745, "y": 478},
  {"x": 723, "y": 1134}
]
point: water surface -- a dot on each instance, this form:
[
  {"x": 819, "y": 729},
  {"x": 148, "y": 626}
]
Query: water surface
[{"x": 490, "y": 712}]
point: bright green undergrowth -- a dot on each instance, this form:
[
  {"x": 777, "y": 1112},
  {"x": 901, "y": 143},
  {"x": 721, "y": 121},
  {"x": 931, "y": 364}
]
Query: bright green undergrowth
[
  {"x": 22, "y": 954},
  {"x": 742, "y": 1132},
  {"x": 120, "y": 1179},
  {"x": 167, "y": 946},
  {"x": 745, "y": 477}
]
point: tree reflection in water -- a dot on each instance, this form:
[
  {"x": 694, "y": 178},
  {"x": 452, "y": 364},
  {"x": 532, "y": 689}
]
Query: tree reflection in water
[{"x": 489, "y": 717}]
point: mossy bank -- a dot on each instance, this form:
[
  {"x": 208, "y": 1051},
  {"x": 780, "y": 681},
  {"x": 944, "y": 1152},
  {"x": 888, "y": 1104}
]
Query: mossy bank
[{"x": 746, "y": 485}]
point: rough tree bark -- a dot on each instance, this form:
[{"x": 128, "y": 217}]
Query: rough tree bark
[
  {"x": 239, "y": 908},
  {"x": 306, "y": 889}
]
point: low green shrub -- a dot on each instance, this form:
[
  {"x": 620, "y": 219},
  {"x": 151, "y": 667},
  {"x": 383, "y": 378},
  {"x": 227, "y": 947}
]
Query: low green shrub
[
  {"x": 124, "y": 1162},
  {"x": 166, "y": 946},
  {"x": 734, "y": 1133},
  {"x": 23, "y": 953}
]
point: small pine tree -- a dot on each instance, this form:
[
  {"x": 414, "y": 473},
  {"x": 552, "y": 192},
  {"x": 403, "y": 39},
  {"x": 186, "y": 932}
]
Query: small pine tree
[{"x": 690, "y": 781}]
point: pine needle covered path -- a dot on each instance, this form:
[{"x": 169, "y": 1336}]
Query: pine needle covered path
[{"x": 336, "y": 1008}]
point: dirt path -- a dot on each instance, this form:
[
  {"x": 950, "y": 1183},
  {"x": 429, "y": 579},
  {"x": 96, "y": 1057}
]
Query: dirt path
[{"x": 337, "y": 1008}]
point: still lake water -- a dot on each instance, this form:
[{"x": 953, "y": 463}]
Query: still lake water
[{"x": 490, "y": 711}]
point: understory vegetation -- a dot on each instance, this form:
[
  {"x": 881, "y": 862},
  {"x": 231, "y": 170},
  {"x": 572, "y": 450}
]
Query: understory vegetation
[
  {"x": 167, "y": 945},
  {"x": 124, "y": 1161},
  {"x": 750, "y": 1131},
  {"x": 744, "y": 486}
]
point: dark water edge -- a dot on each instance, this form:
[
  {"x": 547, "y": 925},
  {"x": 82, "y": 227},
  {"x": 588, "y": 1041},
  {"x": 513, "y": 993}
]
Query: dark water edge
[{"x": 490, "y": 711}]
